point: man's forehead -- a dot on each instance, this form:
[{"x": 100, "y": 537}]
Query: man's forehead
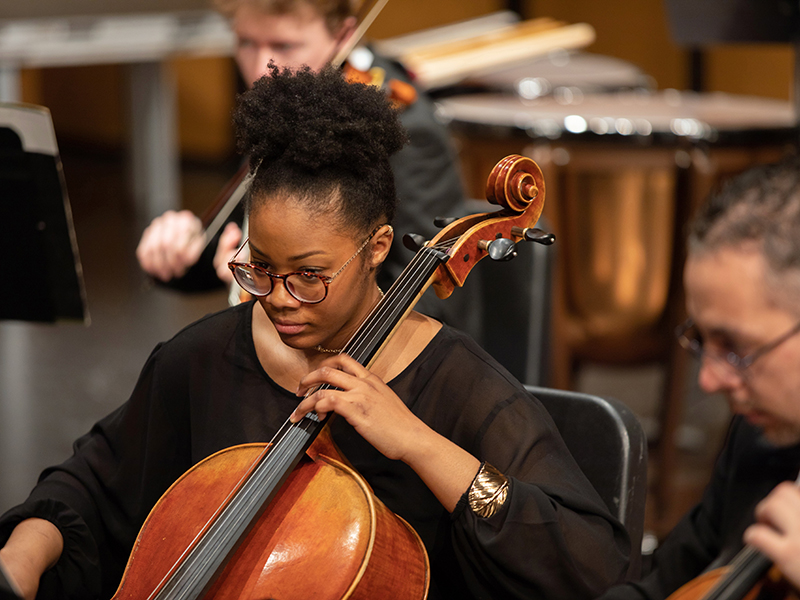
[
  {"x": 727, "y": 291},
  {"x": 724, "y": 282}
]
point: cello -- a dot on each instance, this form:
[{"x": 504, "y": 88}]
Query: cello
[
  {"x": 244, "y": 523},
  {"x": 749, "y": 576}
]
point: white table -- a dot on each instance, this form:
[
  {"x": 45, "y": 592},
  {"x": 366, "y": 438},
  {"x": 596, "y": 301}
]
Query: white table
[{"x": 142, "y": 41}]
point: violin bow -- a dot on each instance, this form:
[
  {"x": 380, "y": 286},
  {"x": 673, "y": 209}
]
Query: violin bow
[{"x": 366, "y": 15}]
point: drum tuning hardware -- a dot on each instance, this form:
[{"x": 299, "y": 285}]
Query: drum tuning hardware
[
  {"x": 414, "y": 241},
  {"x": 531, "y": 234},
  {"x": 499, "y": 249},
  {"x": 443, "y": 221}
]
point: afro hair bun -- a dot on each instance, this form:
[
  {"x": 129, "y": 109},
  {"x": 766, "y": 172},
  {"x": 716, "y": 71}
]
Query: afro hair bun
[{"x": 316, "y": 121}]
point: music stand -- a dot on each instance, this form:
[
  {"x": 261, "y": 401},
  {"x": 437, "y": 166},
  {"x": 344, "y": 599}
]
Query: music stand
[
  {"x": 709, "y": 22},
  {"x": 732, "y": 21},
  {"x": 40, "y": 269}
]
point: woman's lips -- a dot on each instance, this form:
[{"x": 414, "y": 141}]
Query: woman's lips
[{"x": 287, "y": 328}]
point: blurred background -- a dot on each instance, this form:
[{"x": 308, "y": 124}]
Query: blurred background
[{"x": 632, "y": 131}]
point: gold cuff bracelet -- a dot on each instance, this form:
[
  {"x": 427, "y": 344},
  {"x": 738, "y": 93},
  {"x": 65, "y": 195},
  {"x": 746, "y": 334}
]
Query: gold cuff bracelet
[{"x": 488, "y": 491}]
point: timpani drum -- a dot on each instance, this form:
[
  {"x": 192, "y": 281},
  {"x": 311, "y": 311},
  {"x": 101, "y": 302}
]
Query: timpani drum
[
  {"x": 561, "y": 72},
  {"x": 623, "y": 171}
]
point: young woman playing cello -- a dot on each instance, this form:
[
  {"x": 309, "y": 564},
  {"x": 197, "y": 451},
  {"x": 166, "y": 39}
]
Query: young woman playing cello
[{"x": 445, "y": 437}]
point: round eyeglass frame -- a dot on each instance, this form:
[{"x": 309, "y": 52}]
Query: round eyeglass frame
[
  {"x": 739, "y": 363},
  {"x": 237, "y": 267}
]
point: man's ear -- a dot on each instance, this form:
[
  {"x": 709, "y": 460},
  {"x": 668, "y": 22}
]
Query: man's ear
[{"x": 347, "y": 29}]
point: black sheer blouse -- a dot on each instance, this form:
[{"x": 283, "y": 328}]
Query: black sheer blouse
[{"x": 205, "y": 390}]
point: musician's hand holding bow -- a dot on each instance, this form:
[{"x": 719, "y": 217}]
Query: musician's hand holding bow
[
  {"x": 171, "y": 244},
  {"x": 777, "y": 532},
  {"x": 229, "y": 241},
  {"x": 381, "y": 417}
]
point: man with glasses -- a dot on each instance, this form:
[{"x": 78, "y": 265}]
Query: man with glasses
[{"x": 742, "y": 280}]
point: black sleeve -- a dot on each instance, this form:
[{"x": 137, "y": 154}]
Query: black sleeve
[
  {"x": 100, "y": 497},
  {"x": 553, "y": 537}
]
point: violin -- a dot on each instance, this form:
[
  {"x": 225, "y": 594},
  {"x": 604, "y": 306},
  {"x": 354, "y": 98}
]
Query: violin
[{"x": 291, "y": 519}]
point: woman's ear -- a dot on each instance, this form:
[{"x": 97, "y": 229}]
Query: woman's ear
[{"x": 381, "y": 243}]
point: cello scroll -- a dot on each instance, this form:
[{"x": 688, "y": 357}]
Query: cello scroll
[{"x": 516, "y": 184}]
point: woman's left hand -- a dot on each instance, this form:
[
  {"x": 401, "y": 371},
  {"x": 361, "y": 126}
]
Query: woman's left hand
[{"x": 366, "y": 402}]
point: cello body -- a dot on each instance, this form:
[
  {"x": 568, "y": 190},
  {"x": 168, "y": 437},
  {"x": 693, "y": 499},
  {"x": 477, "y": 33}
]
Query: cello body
[
  {"x": 324, "y": 536},
  {"x": 704, "y": 585}
]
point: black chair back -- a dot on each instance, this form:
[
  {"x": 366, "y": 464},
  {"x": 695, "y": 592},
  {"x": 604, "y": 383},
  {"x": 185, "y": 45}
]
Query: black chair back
[{"x": 609, "y": 445}]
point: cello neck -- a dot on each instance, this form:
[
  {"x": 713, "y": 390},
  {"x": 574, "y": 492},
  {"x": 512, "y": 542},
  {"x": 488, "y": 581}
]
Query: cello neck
[
  {"x": 399, "y": 300},
  {"x": 742, "y": 575}
]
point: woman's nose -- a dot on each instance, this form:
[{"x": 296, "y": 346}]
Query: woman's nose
[{"x": 280, "y": 296}]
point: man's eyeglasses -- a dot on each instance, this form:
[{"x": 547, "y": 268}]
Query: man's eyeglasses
[
  {"x": 305, "y": 286},
  {"x": 691, "y": 339}
]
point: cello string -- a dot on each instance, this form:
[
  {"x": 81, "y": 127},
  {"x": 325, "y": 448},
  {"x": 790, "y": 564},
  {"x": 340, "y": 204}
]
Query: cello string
[
  {"x": 399, "y": 295},
  {"x": 216, "y": 541},
  {"x": 398, "y": 298}
]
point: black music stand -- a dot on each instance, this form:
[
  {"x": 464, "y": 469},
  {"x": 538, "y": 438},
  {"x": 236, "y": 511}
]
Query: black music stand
[
  {"x": 733, "y": 21},
  {"x": 40, "y": 269}
]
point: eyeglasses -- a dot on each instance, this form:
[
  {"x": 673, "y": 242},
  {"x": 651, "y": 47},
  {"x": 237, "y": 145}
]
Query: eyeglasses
[
  {"x": 305, "y": 286},
  {"x": 690, "y": 338}
]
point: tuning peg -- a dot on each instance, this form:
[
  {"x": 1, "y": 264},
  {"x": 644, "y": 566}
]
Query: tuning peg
[
  {"x": 499, "y": 249},
  {"x": 443, "y": 221},
  {"x": 534, "y": 235},
  {"x": 413, "y": 241}
]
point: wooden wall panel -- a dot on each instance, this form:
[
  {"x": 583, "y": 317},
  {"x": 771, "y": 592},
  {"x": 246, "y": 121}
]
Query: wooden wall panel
[
  {"x": 206, "y": 97},
  {"x": 405, "y": 16},
  {"x": 87, "y": 103},
  {"x": 755, "y": 69},
  {"x": 633, "y": 30}
]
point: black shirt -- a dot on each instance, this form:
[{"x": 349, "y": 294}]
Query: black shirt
[{"x": 205, "y": 390}]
